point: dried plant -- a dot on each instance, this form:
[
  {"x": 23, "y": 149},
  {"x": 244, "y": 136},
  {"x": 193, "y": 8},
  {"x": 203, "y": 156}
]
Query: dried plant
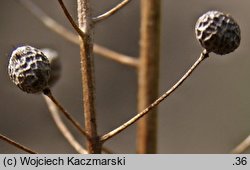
[{"x": 30, "y": 68}]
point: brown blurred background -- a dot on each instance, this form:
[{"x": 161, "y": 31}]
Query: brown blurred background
[{"x": 210, "y": 113}]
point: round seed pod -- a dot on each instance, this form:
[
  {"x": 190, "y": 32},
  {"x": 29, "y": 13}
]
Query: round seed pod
[
  {"x": 218, "y": 32},
  {"x": 29, "y": 69},
  {"x": 55, "y": 65}
]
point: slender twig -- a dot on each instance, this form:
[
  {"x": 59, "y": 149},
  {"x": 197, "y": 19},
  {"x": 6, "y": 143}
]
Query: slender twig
[
  {"x": 17, "y": 145},
  {"x": 62, "y": 127},
  {"x": 87, "y": 70},
  {"x": 65, "y": 131},
  {"x": 71, "y": 20},
  {"x": 49, "y": 22},
  {"x": 111, "y": 11},
  {"x": 242, "y": 147},
  {"x": 114, "y": 132},
  {"x": 118, "y": 57},
  {"x": 48, "y": 93},
  {"x": 148, "y": 75},
  {"x": 71, "y": 37}
]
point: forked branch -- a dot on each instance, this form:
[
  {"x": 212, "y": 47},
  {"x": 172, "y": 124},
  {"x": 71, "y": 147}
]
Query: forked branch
[
  {"x": 116, "y": 131},
  {"x": 65, "y": 131},
  {"x": 17, "y": 145},
  {"x": 111, "y": 11},
  {"x": 62, "y": 127},
  {"x": 71, "y": 37},
  {"x": 48, "y": 93},
  {"x": 71, "y": 20}
]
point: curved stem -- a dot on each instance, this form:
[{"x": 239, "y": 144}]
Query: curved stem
[
  {"x": 62, "y": 127},
  {"x": 49, "y": 22},
  {"x": 110, "y": 12},
  {"x": 71, "y": 37},
  {"x": 17, "y": 145},
  {"x": 118, "y": 57},
  {"x": 242, "y": 147},
  {"x": 116, "y": 131},
  {"x": 65, "y": 131},
  {"x": 48, "y": 93},
  {"x": 71, "y": 20}
]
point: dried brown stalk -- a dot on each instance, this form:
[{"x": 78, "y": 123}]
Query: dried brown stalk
[
  {"x": 148, "y": 74},
  {"x": 48, "y": 93},
  {"x": 65, "y": 131},
  {"x": 121, "y": 58},
  {"x": 119, "y": 129},
  {"x": 68, "y": 35},
  {"x": 87, "y": 66},
  {"x": 62, "y": 127},
  {"x": 111, "y": 11},
  {"x": 17, "y": 145}
]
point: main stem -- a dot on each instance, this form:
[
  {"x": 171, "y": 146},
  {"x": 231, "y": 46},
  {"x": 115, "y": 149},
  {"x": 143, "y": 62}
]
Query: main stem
[
  {"x": 87, "y": 67},
  {"x": 148, "y": 74}
]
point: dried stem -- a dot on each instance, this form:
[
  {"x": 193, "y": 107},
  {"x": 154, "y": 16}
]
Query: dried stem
[
  {"x": 17, "y": 145},
  {"x": 148, "y": 74},
  {"x": 68, "y": 35},
  {"x": 115, "y": 56},
  {"x": 49, "y": 22},
  {"x": 48, "y": 93},
  {"x": 87, "y": 67},
  {"x": 65, "y": 131},
  {"x": 116, "y": 131},
  {"x": 71, "y": 20},
  {"x": 111, "y": 11},
  {"x": 242, "y": 147},
  {"x": 62, "y": 127}
]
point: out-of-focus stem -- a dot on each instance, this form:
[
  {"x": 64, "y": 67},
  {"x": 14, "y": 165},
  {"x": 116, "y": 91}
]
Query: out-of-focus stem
[
  {"x": 148, "y": 74},
  {"x": 242, "y": 147},
  {"x": 71, "y": 37},
  {"x": 55, "y": 113},
  {"x": 17, "y": 145}
]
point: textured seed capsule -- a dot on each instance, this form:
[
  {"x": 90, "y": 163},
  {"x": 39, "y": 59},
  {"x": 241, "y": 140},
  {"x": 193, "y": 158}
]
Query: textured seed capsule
[
  {"x": 55, "y": 65},
  {"x": 29, "y": 69},
  {"x": 218, "y": 32}
]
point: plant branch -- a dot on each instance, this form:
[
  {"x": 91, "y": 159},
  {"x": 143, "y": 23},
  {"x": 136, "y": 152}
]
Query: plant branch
[
  {"x": 17, "y": 145},
  {"x": 87, "y": 70},
  {"x": 62, "y": 127},
  {"x": 115, "y": 56},
  {"x": 242, "y": 147},
  {"x": 116, "y": 131},
  {"x": 73, "y": 38},
  {"x": 48, "y": 93},
  {"x": 148, "y": 75},
  {"x": 65, "y": 131},
  {"x": 71, "y": 20},
  {"x": 111, "y": 11},
  {"x": 49, "y": 22}
]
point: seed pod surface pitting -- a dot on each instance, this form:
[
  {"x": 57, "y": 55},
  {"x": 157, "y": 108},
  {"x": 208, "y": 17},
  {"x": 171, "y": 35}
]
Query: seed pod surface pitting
[
  {"x": 218, "y": 32},
  {"x": 29, "y": 69}
]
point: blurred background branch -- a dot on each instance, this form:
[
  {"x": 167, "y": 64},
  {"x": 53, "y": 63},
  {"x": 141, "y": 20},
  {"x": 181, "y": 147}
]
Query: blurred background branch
[
  {"x": 242, "y": 147},
  {"x": 17, "y": 145},
  {"x": 68, "y": 35}
]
